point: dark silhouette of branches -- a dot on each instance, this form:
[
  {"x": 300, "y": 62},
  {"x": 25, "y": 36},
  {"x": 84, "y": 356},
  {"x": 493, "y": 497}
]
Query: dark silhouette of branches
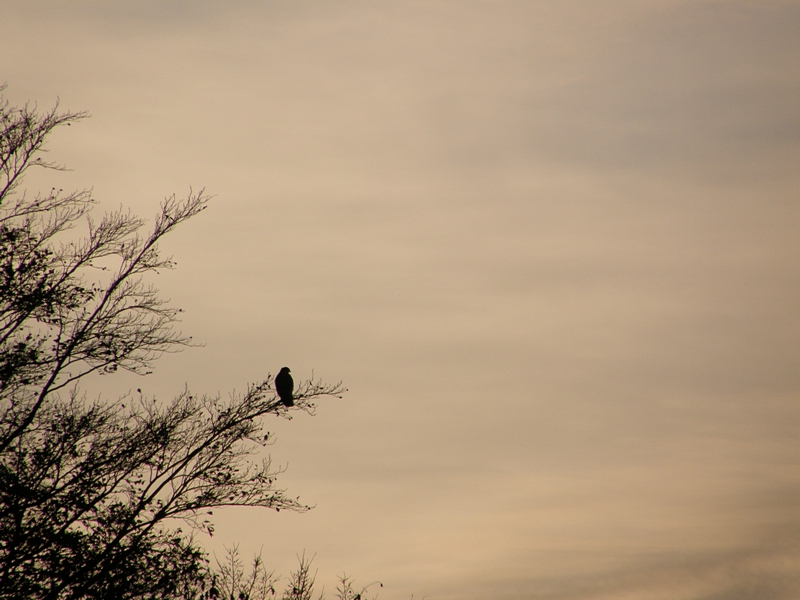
[
  {"x": 101, "y": 499},
  {"x": 231, "y": 583},
  {"x": 346, "y": 590},
  {"x": 301, "y": 581}
]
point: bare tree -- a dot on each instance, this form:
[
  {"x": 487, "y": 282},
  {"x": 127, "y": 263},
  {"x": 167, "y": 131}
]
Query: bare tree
[
  {"x": 102, "y": 498},
  {"x": 346, "y": 589},
  {"x": 301, "y": 582},
  {"x": 229, "y": 582}
]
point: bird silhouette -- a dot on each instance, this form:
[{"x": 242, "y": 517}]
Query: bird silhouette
[{"x": 284, "y": 385}]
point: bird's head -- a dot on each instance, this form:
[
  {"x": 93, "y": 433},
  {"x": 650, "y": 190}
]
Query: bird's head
[{"x": 285, "y": 370}]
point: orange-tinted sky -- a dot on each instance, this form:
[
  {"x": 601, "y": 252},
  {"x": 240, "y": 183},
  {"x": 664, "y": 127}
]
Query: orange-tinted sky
[{"x": 552, "y": 248}]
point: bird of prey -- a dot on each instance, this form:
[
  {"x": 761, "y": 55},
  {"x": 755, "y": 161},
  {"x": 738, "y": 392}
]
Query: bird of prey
[{"x": 284, "y": 385}]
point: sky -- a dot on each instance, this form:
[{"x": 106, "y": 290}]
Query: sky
[{"x": 551, "y": 249}]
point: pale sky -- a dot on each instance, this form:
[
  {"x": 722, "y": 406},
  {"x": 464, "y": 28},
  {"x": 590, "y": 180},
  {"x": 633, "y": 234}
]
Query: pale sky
[{"x": 552, "y": 249}]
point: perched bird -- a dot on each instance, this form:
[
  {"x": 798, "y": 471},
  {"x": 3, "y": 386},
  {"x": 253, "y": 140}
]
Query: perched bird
[{"x": 284, "y": 385}]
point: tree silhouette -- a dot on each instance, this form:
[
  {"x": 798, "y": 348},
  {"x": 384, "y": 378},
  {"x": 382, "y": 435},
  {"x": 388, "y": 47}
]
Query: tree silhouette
[
  {"x": 103, "y": 498},
  {"x": 231, "y": 583}
]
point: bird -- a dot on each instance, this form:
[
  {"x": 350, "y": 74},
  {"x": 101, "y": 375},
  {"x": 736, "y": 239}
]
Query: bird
[{"x": 284, "y": 385}]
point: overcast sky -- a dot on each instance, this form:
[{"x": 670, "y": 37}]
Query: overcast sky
[{"x": 552, "y": 249}]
